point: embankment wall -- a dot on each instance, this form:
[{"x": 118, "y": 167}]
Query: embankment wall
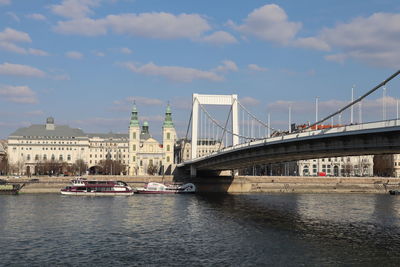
[{"x": 240, "y": 184}]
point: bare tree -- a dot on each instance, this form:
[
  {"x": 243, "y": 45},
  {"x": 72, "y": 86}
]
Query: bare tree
[
  {"x": 78, "y": 167},
  {"x": 112, "y": 167},
  {"x": 383, "y": 165},
  {"x": 152, "y": 169},
  {"x": 348, "y": 168},
  {"x": 4, "y": 166}
]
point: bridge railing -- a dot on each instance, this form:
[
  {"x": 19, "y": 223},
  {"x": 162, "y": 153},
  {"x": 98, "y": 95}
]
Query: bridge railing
[{"x": 288, "y": 137}]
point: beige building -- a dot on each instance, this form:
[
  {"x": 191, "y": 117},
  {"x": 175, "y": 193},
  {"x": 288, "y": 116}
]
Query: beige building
[
  {"x": 146, "y": 154},
  {"x": 2, "y": 150},
  {"x": 29, "y": 147},
  {"x": 205, "y": 147}
]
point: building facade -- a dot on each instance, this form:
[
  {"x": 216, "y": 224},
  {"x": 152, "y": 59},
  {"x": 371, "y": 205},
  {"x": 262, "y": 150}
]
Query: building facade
[
  {"x": 30, "y": 147},
  {"x": 183, "y": 148},
  {"x": 337, "y": 166},
  {"x": 146, "y": 154}
]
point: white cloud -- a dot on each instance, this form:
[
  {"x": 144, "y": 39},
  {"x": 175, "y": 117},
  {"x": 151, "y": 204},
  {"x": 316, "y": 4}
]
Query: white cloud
[
  {"x": 82, "y": 26},
  {"x": 37, "y": 52},
  {"x": 35, "y": 113},
  {"x": 340, "y": 58},
  {"x": 152, "y": 25},
  {"x": 125, "y": 50},
  {"x": 18, "y": 94},
  {"x": 372, "y": 39},
  {"x": 7, "y": 46},
  {"x": 11, "y": 35},
  {"x": 228, "y": 65},
  {"x": 159, "y": 25},
  {"x": 173, "y": 73},
  {"x": 313, "y": 43},
  {"x": 99, "y": 54},
  {"x": 74, "y": 8},
  {"x": 74, "y": 55},
  {"x": 13, "y": 16},
  {"x": 20, "y": 70},
  {"x": 5, "y": 2},
  {"x": 250, "y": 101},
  {"x": 144, "y": 100},
  {"x": 220, "y": 38},
  {"x": 36, "y": 16},
  {"x": 255, "y": 67},
  {"x": 61, "y": 77},
  {"x": 269, "y": 23}
]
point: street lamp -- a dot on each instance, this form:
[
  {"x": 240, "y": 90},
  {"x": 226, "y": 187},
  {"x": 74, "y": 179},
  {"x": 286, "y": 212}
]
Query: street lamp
[
  {"x": 316, "y": 109},
  {"x": 290, "y": 118}
]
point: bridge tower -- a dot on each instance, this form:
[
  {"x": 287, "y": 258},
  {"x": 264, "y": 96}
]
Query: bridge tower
[{"x": 226, "y": 100}]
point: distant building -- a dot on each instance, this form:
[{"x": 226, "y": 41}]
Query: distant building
[
  {"x": 2, "y": 151},
  {"x": 146, "y": 154},
  {"x": 29, "y": 147},
  {"x": 337, "y": 166},
  {"x": 205, "y": 147}
]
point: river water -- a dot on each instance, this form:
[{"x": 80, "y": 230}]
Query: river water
[{"x": 200, "y": 230}]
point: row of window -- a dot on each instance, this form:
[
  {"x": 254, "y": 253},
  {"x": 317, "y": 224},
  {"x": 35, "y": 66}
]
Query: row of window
[
  {"x": 49, "y": 137},
  {"x": 44, "y": 157},
  {"x": 95, "y": 161},
  {"x": 168, "y": 136},
  {"x": 51, "y": 142},
  {"x": 107, "y": 150},
  {"x": 151, "y": 148},
  {"x": 108, "y": 155}
]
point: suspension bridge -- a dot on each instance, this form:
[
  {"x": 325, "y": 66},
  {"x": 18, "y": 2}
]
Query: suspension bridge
[{"x": 242, "y": 140}]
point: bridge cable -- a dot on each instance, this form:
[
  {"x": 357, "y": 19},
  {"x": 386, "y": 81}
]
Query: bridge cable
[
  {"x": 226, "y": 123},
  {"x": 352, "y": 103},
  {"x": 218, "y": 124},
  {"x": 254, "y": 117}
]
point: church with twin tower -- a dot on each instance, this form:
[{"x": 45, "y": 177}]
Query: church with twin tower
[{"x": 146, "y": 154}]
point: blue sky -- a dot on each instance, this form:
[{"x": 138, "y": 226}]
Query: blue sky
[{"x": 85, "y": 61}]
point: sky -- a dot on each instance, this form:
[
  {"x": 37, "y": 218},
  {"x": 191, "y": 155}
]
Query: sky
[{"x": 84, "y": 62}]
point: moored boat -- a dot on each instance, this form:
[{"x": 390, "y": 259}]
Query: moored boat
[
  {"x": 394, "y": 192},
  {"x": 83, "y": 187},
  {"x": 159, "y": 188},
  {"x": 10, "y": 189}
]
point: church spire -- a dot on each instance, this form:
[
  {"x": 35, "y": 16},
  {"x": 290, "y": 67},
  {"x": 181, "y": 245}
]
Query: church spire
[
  {"x": 134, "y": 116},
  {"x": 168, "y": 118}
]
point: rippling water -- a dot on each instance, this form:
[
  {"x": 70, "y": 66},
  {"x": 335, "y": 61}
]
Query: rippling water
[{"x": 217, "y": 230}]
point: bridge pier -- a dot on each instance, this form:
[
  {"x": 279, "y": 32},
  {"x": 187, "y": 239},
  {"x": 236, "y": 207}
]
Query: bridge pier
[
  {"x": 235, "y": 173},
  {"x": 193, "y": 171}
]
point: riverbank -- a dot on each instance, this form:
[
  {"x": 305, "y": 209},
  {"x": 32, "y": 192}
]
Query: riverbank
[{"x": 240, "y": 184}]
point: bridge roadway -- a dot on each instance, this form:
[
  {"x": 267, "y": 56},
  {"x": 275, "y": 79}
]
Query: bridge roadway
[{"x": 352, "y": 140}]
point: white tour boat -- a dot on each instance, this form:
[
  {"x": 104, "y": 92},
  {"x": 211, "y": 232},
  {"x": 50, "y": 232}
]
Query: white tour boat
[
  {"x": 158, "y": 188},
  {"x": 83, "y": 187}
]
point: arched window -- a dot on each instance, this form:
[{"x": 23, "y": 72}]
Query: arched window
[
  {"x": 44, "y": 157},
  {"x": 168, "y": 159},
  {"x": 168, "y": 135},
  {"x": 36, "y": 157},
  {"x": 69, "y": 157},
  {"x": 28, "y": 157},
  {"x": 60, "y": 157},
  {"x": 134, "y": 147},
  {"x": 168, "y": 148},
  {"x": 53, "y": 157}
]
